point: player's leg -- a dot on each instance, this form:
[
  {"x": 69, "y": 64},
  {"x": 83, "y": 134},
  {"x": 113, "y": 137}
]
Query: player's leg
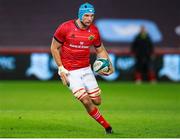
[
  {"x": 91, "y": 85},
  {"x": 138, "y": 71},
  {"x": 76, "y": 79},
  {"x": 150, "y": 72},
  {"x": 94, "y": 94},
  {"x": 79, "y": 91},
  {"x": 94, "y": 113},
  {"x": 76, "y": 85}
]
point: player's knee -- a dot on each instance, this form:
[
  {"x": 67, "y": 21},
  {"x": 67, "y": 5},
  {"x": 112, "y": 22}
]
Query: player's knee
[
  {"x": 97, "y": 102},
  {"x": 87, "y": 102},
  {"x": 79, "y": 94},
  {"x": 95, "y": 95}
]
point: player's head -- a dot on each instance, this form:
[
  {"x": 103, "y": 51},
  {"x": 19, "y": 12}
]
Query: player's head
[{"x": 86, "y": 13}]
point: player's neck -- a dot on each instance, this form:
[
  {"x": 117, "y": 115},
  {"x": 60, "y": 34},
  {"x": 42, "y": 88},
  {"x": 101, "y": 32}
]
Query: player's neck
[{"x": 80, "y": 24}]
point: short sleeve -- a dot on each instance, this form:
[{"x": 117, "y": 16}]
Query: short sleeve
[
  {"x": 60, "y": 33},
  {"x": 97, "y": 40}
]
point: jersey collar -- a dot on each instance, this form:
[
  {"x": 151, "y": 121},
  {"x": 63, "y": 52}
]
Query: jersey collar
[{"x": 79, "y": 27}]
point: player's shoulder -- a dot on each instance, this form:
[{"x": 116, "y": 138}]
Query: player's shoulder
[{"x": 94, "y": 28}]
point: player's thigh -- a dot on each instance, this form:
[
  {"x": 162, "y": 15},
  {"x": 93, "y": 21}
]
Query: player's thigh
[
  {"x": 76, "y": 85},
  {"x": 91, "y": 84}
]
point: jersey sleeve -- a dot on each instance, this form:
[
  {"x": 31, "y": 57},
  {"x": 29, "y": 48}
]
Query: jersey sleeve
[
  {"x": 60, "y": 33},
  {"x": 97, "y": 40}
]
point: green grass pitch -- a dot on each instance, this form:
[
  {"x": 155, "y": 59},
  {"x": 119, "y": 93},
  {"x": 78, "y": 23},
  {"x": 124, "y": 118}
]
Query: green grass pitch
[{"x": 48, "y": 109}]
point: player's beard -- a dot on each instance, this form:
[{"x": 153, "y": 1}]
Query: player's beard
[{"x": 84, "y": 25}]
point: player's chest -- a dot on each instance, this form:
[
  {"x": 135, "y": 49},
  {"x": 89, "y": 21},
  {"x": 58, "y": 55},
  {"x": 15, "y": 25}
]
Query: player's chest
[{"x": 80, "y": 37}]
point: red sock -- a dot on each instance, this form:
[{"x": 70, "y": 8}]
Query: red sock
[
  {"x": 138, "y": 76},
  {"x": 98, "y": 117}
]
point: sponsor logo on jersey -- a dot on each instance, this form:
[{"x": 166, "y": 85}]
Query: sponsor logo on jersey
[{"x": 79, "y": 46}]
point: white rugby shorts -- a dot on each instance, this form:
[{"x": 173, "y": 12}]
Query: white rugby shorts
[{"x": 82, "y": 82}]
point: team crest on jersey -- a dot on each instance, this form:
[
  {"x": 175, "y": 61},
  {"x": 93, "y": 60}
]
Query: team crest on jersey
[{"x": 91, "y": 37}]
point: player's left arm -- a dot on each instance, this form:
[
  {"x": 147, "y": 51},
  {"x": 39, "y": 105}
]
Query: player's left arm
[{"x": 102, "y": 53}]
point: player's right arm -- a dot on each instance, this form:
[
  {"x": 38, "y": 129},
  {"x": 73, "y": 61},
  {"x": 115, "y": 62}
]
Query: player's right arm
[{"x": 55, "y": 49}]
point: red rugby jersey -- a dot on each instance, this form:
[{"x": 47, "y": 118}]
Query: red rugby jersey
[{"x": 75, "y": 51}]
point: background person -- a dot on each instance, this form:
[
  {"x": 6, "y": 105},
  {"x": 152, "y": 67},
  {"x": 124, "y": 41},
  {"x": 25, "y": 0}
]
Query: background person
[{"x": 143, "y": 50}]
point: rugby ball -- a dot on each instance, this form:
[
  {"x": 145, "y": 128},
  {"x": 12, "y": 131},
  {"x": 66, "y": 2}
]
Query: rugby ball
[{"x": 101, "y": 64}]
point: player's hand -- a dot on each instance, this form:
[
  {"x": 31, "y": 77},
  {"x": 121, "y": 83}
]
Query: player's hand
[
  {"x": 63, "y": 73},
  {"x": 109, "y": 72},
  {"x": 64, "y": 79}
]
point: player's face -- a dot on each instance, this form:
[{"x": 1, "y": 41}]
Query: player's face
[{"x": 88, "y": 19}]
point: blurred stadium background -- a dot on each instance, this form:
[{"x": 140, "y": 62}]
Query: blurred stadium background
[
  {"x": 27, "y": 28},
  {"x": 37, "y": 109}
]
